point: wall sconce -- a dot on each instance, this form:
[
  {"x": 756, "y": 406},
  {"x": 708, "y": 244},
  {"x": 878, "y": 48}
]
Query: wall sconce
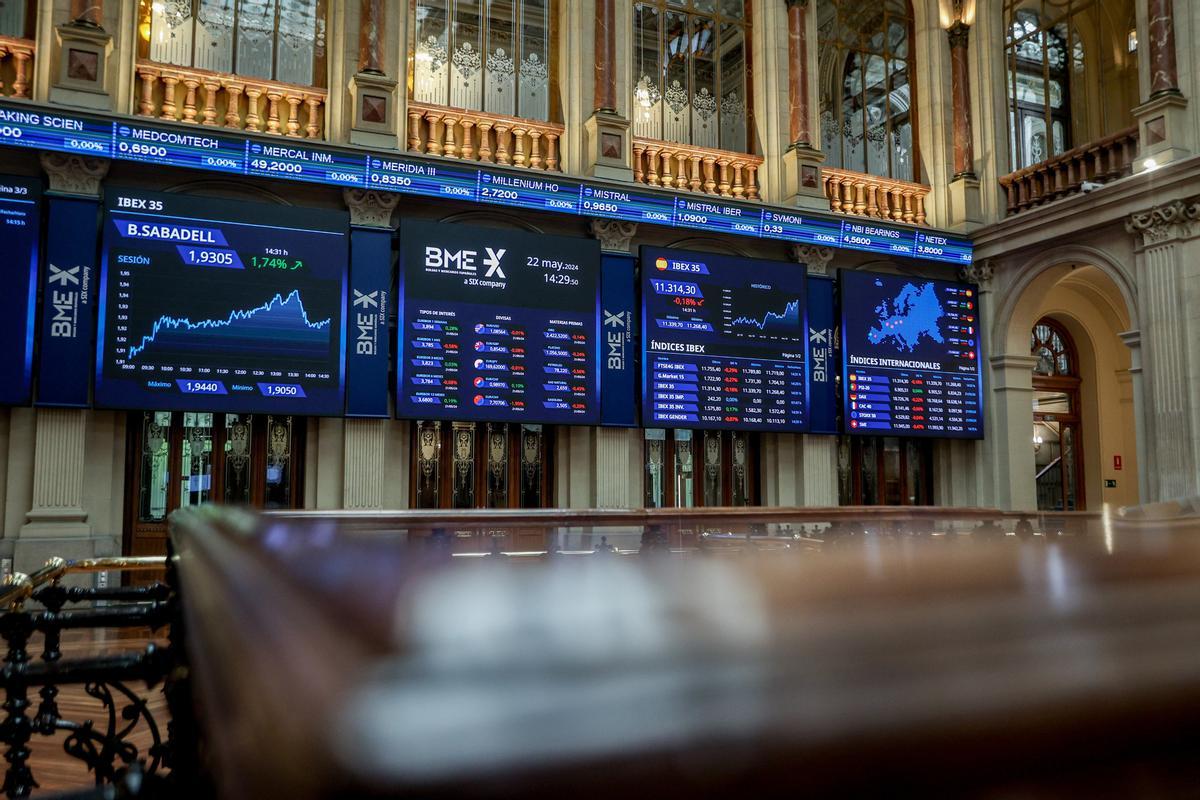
[
  {"x": 1132, "y": 40},
  {"x": 1037, "y": 442}
]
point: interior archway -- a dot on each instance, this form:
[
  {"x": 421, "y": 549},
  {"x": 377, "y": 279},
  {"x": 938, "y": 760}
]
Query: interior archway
[{"x": 1090, "y": 307}]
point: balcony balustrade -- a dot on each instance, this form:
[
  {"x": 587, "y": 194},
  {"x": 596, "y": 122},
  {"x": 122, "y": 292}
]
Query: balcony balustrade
[
  {"x": 479, "y": 136},
  {"x": 16, "y": 66},
  {"x": 216, "y": 99},
  {"x": 702, "y": 170},
  {"x": 1064, "y": 175},
  {"x": 863, "y": 195}
]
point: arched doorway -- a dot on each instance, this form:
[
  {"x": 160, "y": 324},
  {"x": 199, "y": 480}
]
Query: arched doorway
[{"x": 1057, "y": 438}]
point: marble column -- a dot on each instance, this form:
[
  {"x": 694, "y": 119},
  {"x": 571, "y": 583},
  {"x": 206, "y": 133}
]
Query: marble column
[
  {"x": 960, "y": 92},
  {"x": 1167, "y": 236},
  {"x": 605, "y": 67},
  {"x": 371, "y": 36},
  {"x": 88, "y": 12},
  {"x": 1164, "y": 78},
  {"x": 799, "y": 126}
]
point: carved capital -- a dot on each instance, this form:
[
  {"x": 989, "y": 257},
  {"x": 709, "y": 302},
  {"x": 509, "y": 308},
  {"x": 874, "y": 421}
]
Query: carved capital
[
  {"x": 1166, "y": 222},
  {"x": 370, "y": 208},
  {"x": 614, "y": 234},
  {"x": 814, "y": 256},
  {"x": 959, "y": 35},
  {"x": 979, "y": 273},
  {"x": 74, "y": 174}
]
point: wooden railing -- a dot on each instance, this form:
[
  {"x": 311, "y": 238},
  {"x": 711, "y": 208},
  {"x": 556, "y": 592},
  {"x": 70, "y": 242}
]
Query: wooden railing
[
  {"x": 479, "y": 136},
  {"x": 16, "y": 66},
  {"x": 872, "y": 196},
  {"x": 230, "y": 101},
  {"x": 1096, "y": 162},
  {"x": 696, "y": 169}
]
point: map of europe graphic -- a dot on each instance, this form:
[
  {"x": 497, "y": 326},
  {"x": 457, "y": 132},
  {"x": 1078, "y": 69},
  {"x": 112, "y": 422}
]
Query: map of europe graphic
[{"x": 911, "y": 314}]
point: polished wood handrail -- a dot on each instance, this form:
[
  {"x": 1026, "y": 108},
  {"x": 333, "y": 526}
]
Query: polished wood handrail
[
  {"x": 19, "y": 586},
  {"x": 863, "y": 195},
  {"x": 704, "y": 170},
  {"x": 270, "y": 106},
  {"x": 20, "y": 53},
  {"x": 481, "y": 136},
  {"x": 1103, "y": 160}
]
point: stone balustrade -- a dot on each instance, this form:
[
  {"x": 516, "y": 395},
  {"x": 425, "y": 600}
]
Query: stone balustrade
[
  {"x": 1095, "y": 162},
  {"x": 479, "y": 136},
  {"x": 696, "y": 169},
  {"x": 863, "y": 195},
  {"x": 16, "y": 66},
  {"x": 219, "y": 99}
]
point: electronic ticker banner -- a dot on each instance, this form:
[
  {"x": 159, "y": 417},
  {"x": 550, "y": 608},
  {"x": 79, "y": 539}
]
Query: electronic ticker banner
[
  {"x": 179, "y": 145},
  {"x": 202, "y": 309}
]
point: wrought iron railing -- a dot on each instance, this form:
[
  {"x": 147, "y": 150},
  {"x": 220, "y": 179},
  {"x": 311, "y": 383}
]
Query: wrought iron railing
[{"x": 40, "y": 603}]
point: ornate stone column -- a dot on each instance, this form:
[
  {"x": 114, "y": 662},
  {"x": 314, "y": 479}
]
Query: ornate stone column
[
  {"x": 57, "y": 519},
  {"x": 371, "y": 87},
  {"x": 1168, "y": 244},
  {"x": 1133, "y": 340},
  {"x": 802, "y": 161},
  {"x": 1163, "y": 126},
  {"x": 618, "y": 451},
  {"x": 607, "y": 145},
  {"x": 364, "y": 462},
  {"x": 1164, "y": 79},
  {"x": 84, "y": 50}
]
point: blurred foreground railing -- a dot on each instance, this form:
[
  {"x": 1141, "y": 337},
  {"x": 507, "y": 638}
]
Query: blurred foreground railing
[
  {"x": 105, "y": 745},
  {"x": 751, "y": 652}
]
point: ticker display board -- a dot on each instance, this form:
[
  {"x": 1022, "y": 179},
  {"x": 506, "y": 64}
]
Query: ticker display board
[
  {"x": 202, "y": 309},
  {"x": 910, "y": 356},
  {"x": 497, "y": 325},
  {"x": 20, "y": 236},
  {"x": 25, "y": 125},
  {"x": 724, "y": 342}
]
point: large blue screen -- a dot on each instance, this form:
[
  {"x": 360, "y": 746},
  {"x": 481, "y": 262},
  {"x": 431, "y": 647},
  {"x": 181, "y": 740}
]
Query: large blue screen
[
  {"x": 910, "y": 364},
  {"x": 724, "y": 342},
  {"x": 201, "y": 309},
  {"x": 20, "y": 223},
  {"x": 497, "y": 325}
]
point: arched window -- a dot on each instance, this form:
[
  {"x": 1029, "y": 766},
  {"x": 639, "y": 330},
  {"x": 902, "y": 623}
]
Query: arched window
[
  {"x": 868, "y": 121},
  {"x": 280, "y": 40},
  {"x": 492, "y": 56},
  {"x": 1040, "y": 58},
  {"x": 691, "y": 72},
  {"x": 1056, "y": 418},
  {"x": 1071, "y": 74}
]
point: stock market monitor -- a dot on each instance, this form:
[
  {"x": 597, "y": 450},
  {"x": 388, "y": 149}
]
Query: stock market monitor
[
  {"x": 202, "y": 309},
  {"x": 724, "y": 342},
  {"x": 497, "y": 325},
  {"x": 20, "y": 239},
  {"x": 910, "y": 357}
]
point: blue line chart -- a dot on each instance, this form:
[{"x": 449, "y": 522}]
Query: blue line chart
[{"x": 281, "y": 325}]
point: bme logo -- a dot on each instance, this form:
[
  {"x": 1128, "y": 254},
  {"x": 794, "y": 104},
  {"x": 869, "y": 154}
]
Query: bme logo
[
  {"x": 64, "y": 302},
  {"x": 366, "y": 319},
  {"x": 465, "y": 261},
  {"x": 617, "y": 339}
]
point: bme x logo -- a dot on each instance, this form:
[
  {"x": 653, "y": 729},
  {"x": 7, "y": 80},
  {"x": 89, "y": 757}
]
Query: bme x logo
[{"x": 63, "y": 276}]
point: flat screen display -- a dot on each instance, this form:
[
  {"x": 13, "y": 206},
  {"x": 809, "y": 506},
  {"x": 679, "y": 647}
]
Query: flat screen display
[
  {"x": 724, "y": 342},
  {"x": 910, "y": 362},
  {"x": 221, "y": 306},
  {"x": 20, "y": 226},
  {"x": 497, "y": 325}
]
